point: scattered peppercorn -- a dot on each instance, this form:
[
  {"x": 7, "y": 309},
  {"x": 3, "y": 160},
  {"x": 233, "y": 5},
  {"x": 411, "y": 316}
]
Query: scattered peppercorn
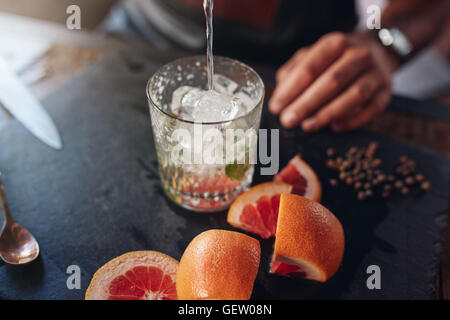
[
  {"x": 404, "y": 191},
  {"x": 331, "y": 152},
  {"x": 409, "y": 181},
  {"x": 376, "y": 163},
  {"x": 371, "y": 149},
  {"x": 398, "y": 184},
  {"x": 333, "y": 182},
  {"x": 362, "y": 170},
  {"x": 352, "y": 151},
  {"x": 330, "y": 163},
  {"x": 419, "y": 177},
  {"x": 425, "y": 185},
  {"x": 411, "y": 165}
]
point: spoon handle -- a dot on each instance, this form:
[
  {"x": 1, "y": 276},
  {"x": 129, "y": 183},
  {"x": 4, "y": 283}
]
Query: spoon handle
[{"x": 4, "y": 202}]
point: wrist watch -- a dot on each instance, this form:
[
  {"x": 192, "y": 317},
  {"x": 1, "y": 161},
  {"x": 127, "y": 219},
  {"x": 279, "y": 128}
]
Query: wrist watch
[{"x": 395, "y": 40}]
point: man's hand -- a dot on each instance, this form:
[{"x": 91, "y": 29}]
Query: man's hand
[{"x": 341, "y": 81}]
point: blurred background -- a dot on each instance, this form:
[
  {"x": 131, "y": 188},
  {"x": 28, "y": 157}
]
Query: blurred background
[
  {"x": 94, "y": 11},
  {"x": 427, "y": 76}
]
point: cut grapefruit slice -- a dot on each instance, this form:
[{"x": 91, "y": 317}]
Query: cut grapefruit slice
[
  {"x": 138, "y": 275},
  {"x": 256, "y": 210},
  {"x": 302, "y": 177},
  {"x": 218, "y": 264},
  {"x": 309, "y": 242}
]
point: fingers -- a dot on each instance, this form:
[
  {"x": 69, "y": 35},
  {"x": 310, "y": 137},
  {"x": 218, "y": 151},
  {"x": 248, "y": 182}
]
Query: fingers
[
  {"x": 327, "y": 86},
  {"x": 286, "y": 68},
  {"x": 362, "y": 117},
  {"x": 356, "y": 95},
  {"x": 317, "y": 59}
]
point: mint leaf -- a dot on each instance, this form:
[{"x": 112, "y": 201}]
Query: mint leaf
[{"x": 236, "y": 171}]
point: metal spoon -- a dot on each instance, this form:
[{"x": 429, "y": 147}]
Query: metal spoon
[{"x": 17, "y": 245}]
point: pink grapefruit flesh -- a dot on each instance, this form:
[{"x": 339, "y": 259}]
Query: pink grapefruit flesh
[
  {"x": 302, "y": 177},
  {"x": 256, "y": 210},
  {"x": 142, "y": 283},
  {"x": 137, "y": 275}
]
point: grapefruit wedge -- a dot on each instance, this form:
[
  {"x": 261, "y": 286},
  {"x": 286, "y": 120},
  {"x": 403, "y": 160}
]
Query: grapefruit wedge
[
  {"x": 302, "y": 178},
  {"x": 256, "y": 210},
  {"x": 309, "y": 242},
  {"x": 138, "y": 275},
  {"x": 218, "y": 264}
]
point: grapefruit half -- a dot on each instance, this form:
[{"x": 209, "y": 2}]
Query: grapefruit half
[
  {"x": 302, "y": 178},
  {"x": 218, "y": 264},
  {"x": 138, "y": 275},
  {"x": 309, "y": 242},
  {"x": 256, "y": 210}
]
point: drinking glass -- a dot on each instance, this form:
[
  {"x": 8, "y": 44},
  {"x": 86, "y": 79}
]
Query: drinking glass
[{"x": 182, "y": 142}]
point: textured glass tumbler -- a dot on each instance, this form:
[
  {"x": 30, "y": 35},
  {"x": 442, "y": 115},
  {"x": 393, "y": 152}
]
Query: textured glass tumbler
[{"x": 182, "y": 144}]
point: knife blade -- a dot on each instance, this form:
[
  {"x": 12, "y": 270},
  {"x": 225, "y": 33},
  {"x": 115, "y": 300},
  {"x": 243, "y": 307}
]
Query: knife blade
[{"x": 25, "y": 108}]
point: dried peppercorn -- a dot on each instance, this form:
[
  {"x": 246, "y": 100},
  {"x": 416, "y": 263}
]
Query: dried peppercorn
[
  {"x": 361, "y": 169},
  {"x": 425, "y": 185},
  {"x": 331, "y": 152}
]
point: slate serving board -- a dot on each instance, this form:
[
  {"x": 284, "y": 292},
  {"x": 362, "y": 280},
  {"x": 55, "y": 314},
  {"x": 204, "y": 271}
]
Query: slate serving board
[{"x": 101, "y": 197}]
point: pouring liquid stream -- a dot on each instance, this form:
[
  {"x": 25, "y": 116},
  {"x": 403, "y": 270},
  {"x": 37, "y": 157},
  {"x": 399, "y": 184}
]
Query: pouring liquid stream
[
  {"x": 217, "y": 103},
  {"x": 225, "y": 105},
  {"x": 208, "y": 7}
]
